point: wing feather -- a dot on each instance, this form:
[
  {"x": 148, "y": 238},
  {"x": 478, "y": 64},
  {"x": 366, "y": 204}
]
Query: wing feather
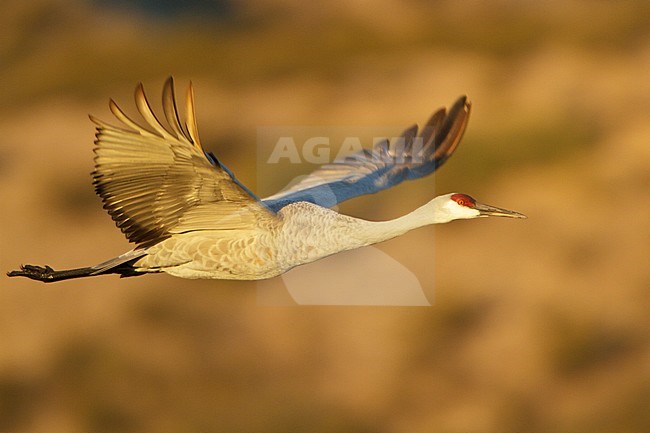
[
  {"x": 388, "y": 163},
  {"x": 158, "y": 182},
  {"x": 171, "y": 112},
  {"x": 145, "y": 111},
  {"x": 191, "y": 117}
]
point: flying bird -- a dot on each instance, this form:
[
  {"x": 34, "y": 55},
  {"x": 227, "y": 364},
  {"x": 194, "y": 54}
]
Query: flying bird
[{"x": 190, "y": 217}]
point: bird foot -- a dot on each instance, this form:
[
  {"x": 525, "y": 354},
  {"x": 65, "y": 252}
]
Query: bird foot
[{"x": 39, "y": 273}]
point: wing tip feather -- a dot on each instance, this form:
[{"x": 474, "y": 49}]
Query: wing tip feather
[
  {"x": 191, "y": 125},
  {"x": 452, "y": 129}
]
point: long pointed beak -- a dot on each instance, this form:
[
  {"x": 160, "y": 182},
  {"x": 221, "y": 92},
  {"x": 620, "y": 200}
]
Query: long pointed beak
[{"x": 487, "y": 210}]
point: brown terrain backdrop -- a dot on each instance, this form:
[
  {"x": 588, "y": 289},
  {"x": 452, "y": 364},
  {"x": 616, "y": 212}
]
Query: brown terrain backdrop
[{"x": 539, "y": 325}]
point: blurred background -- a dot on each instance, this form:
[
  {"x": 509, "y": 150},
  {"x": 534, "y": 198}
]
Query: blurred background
[{"x": 538, "y": 325}]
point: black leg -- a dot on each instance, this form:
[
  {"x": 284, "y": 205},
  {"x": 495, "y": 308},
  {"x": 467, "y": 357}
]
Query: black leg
[{"x": 48, "y": 275}]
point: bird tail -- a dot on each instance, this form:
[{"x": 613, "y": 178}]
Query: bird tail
[{"x": 122, "y": 265}]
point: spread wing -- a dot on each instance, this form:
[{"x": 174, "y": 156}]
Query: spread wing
[
  {"x": 411, "y": 156},
  {"x": 159, "y": 181}
]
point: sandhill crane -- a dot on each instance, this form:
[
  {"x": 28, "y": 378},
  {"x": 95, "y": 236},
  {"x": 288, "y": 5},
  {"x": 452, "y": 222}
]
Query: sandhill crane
[{"x": 190, "y": 217}]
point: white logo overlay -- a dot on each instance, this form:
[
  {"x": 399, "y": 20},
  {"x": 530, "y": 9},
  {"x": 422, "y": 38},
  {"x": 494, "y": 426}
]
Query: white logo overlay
[{"x": 364, "y": 276}]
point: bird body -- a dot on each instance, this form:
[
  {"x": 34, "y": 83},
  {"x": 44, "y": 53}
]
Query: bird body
[
  {"x": 190, "y": 217},
  {"x": 302, "y": 233}
]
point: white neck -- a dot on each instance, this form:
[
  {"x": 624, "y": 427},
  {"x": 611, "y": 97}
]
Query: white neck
[
  {"x": 384, "y": 230},
  {"x": 310, "y": 232}
]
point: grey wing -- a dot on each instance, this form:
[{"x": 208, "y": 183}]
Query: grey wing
[
  {"x": 157, "y": 182},
  {"x": 411, "y": 156}
]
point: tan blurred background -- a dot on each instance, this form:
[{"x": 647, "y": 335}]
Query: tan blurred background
[{"x": 539, "y": 325}]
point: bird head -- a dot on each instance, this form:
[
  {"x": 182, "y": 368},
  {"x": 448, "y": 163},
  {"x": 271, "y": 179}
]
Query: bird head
[{"x": 455, "y": 206}]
